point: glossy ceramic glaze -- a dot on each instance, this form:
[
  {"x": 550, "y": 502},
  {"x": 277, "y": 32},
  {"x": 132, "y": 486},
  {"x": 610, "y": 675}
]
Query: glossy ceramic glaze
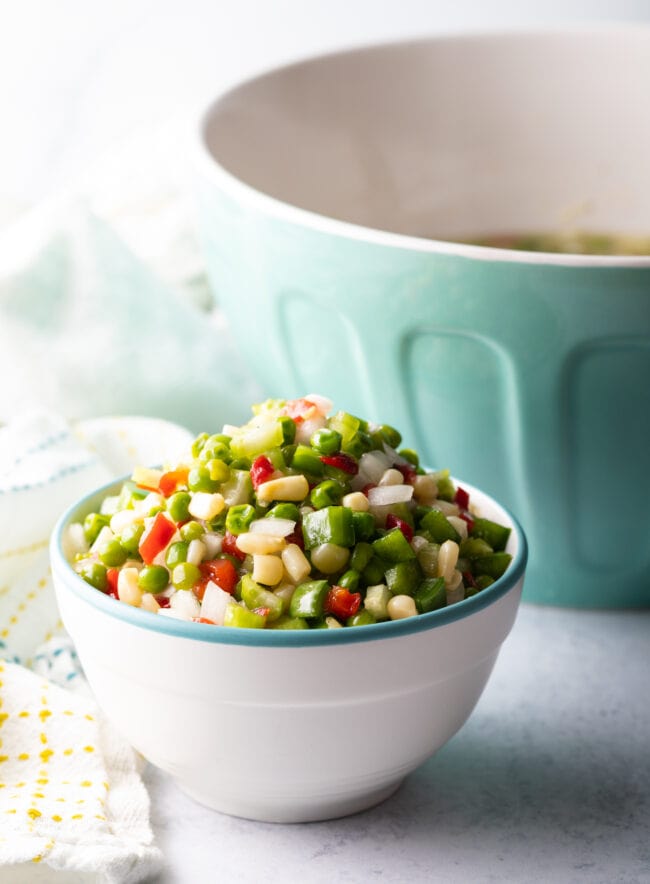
[
  {"x": 287, "y": 726},
  {"x": 320, "y": 188}
]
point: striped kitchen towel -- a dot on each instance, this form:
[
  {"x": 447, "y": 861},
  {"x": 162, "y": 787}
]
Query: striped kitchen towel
[{"x": 70, "y": 791}]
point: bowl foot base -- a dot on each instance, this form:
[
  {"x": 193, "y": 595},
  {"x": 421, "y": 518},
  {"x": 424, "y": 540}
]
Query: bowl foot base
[{"x": 301, "y": 809}]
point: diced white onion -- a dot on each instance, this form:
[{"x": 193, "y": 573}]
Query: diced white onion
[
  {"x": 389, "y": 494},
  {"x": 76, "y": 540},
  {"x": 273, "y": 527},
  {"x": 212, "y": 543},
  {"x": 103, "y": 537},
  {"x": 306, "y": 429},
  {"x": 185, "y": 604},
  {"x": 323, "y": 404},
  {"x": 372, "y": 466},
  {"x": 196, "y": 552},
  {"x": 230, "y": 430},
  {"x": 214, "y": 603},
  {"x": 123, "y": 518}
]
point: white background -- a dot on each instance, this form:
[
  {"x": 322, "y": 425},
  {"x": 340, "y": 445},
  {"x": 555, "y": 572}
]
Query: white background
[{"x": 78, "y": 77}]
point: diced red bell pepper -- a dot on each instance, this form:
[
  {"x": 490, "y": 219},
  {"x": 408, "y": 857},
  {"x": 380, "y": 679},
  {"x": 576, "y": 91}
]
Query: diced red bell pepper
[
  {"x": 296, "y": 537},
  {"x": 163, "y": 601},
  {"x": 468, "y": 577},
  {"x": 342, "y": 603},
  {"x": 462, "y": 498},
  {"x": 393, "y": 521},
  {"x": 111, "y": 577},
  {"x": 341, "y": 461},
  {"x": 229, "y": 546},
  {"x": 261, "y": 470},
  {"x": 219, "y": 571},
  {"x": 299, "y": 410},
  {"x": 470, "y": 521},
  {"x": 170, "y": 481},
  {"x": 156, "y": 538},
  {"x": 410, "y": 473}
]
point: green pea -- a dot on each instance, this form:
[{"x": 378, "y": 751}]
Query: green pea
[
  {"x": 93, "y": 524},
  {"x": 192, "y": 531},
  {"x": 177, "y": 506},
  {"x": 239, "y": 518},
  {"x": 391, "y": 436},
  {"x": 411, "y": 456},
  {"x": 349, "y": 580},
  {"x": 284, "y": 511},
  {"x": 326, "y": 441},
  {"x": 130, "y": 537},
  {"x": 327, "y": 493},
  {"x": 153, "y": 578},
  {"x": 361, "y": 618},
  {"x": 218, "y": 469},
  {"x": 113, "y": 554},
  {"x": 198, "y": 444},
  {"x": 177, "y": 553},
  {"x": 185, "y": 575},
  {"x": 94, "y": 574},
  {"x": 216, "y": 446},
  {"x": 288, "y": 430},
  {"x": 199, "y": 480}
]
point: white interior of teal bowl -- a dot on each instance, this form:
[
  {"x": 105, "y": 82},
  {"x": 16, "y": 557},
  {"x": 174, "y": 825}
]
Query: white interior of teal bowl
[{"x": 455, "y": 136}]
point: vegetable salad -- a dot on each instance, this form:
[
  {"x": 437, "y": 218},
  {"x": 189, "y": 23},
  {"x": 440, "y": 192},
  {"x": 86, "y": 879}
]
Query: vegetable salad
[{"x": 300, "y": 519}]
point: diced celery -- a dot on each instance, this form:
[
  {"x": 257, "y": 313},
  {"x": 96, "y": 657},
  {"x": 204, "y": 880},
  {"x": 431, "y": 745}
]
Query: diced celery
[
  {"x": 256, "y": 438},
  {"x": 376, "y": 601}
]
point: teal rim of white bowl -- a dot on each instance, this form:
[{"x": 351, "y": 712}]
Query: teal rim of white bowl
[{"x": 294, "y": 638}]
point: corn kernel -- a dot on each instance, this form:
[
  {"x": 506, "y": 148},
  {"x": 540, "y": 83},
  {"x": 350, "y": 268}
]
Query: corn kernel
[
  {"x": 400, "y": 607},
  {"x": 205, "y": 505},
  {"x": 286, "y": 488},
  {"x": 391, "y": 477},
  {"x": 356, "y": 501},
  {"x": 149, "y": 603},
  {"x": 267, "y": 569},
  {"x": 127, "y": 587},
  {"x": 295, "y": 563},
  {"x": 260, "y": 544}
]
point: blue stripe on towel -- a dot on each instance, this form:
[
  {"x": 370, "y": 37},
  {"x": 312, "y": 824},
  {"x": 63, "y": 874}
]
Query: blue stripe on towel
[{"x": 65, "y": 471}]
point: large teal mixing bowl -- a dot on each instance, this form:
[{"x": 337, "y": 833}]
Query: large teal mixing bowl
[{"x": 326, "y": 190}]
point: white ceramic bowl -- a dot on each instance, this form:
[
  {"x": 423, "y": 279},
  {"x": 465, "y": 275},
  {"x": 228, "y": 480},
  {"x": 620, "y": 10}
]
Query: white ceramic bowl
[{"x": 287, "y": 726}]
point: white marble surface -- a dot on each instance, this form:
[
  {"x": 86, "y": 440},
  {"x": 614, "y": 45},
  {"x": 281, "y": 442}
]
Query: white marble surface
[{"x": 549, "y": 781}]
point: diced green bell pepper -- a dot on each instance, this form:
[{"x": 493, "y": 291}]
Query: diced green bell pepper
[
  {"x": 307, "y": 461},
  {"x": 393, "y": 547},
  {"x": 494, "y": 534},
  {"x": 438, "y": 527},
  {"x": 361, "y": 555},
  {"x": 237, "y": 615},
  {"x": 494, "y": 565},
  {"x": 256, "y": 596},
  {"x": 430, "y": 595},
  {"x": 474, "y": 547},
  {"x": 403, "y": 578},
  {"x": 308, "y": 599},
  {"x": 364, "y": 525},
  {"x": 332, "y": 524}
]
